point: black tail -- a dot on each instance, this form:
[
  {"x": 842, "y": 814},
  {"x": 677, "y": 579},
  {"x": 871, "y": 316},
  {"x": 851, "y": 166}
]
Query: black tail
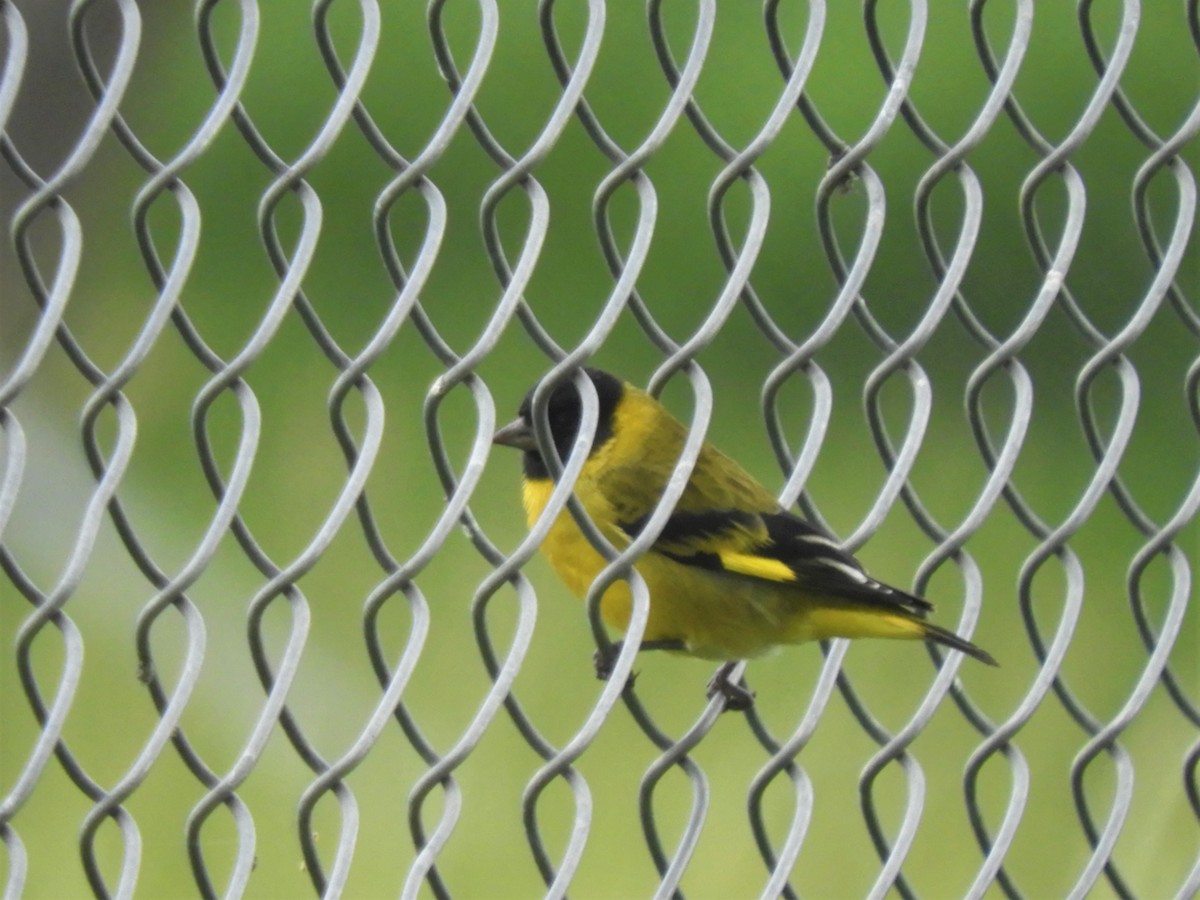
[{"x": 938, "y": 635}]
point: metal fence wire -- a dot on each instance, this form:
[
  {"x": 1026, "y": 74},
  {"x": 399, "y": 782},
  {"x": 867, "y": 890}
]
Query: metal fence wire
[{"x": 279, "y": 273}]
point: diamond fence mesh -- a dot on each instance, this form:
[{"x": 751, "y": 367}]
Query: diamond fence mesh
[{"x": 272, "y": 621}]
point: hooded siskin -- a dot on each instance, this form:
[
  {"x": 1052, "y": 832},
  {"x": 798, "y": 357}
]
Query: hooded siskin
[{"x": 732, "y": 573}]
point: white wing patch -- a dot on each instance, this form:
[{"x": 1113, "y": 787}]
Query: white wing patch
[
  {"x": 849, "y": 571},
  {"x": 820, "y": 540}
]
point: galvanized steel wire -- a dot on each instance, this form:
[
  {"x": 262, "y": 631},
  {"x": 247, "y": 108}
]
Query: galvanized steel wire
[{"x": 48, "y": 237}]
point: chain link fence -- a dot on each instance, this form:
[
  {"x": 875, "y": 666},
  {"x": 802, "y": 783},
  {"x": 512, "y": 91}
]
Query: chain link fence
[{"x": 272, "y": 623}]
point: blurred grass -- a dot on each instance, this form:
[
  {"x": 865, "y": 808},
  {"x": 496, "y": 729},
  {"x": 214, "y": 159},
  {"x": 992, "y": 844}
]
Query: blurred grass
[{"x": 299, "y": 468}]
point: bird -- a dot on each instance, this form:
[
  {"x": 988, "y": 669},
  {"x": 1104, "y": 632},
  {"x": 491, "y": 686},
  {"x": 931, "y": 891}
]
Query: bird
[{"x": 732, "y": 574}]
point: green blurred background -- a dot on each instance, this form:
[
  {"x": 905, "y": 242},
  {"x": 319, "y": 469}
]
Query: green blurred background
[{"x": 299, "y": 468}]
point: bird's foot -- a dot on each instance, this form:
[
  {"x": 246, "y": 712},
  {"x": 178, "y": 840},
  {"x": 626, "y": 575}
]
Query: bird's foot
[
  {"x": 604, "y": 660},
  {"x": 738, "y": 697}
]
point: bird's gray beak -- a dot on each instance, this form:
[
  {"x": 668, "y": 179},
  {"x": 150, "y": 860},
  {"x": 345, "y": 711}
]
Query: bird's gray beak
[{"x": 516, "y": 434}]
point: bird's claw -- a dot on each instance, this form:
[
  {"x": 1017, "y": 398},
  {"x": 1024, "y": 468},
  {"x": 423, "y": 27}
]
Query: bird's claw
[
  {"x": 604, "y": 661},
  {"x": 738, "y": 697}
]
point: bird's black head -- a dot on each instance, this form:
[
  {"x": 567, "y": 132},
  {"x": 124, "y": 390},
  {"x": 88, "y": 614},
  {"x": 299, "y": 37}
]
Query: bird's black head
[{"x": 565, "y": 411}]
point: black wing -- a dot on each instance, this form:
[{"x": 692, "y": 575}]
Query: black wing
[{"x": 775, "y": 546}]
